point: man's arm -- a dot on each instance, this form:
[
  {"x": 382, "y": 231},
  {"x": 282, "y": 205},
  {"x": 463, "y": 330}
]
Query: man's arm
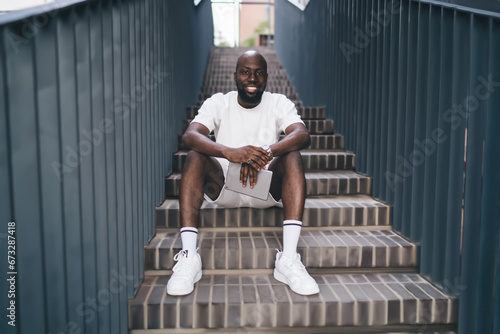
[
  {"x": 296, "y": 138},
  {"x": 196, "y": 138}
]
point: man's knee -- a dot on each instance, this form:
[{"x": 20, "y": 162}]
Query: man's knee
[{"x": 292, "y": 161}]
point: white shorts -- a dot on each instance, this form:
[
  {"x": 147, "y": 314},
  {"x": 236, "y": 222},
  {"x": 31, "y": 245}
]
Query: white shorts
[{"x": 231, "y": 199}]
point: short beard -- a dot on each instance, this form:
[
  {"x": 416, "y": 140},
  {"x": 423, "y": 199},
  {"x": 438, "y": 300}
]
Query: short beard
[{"x": 249, "y": 100}]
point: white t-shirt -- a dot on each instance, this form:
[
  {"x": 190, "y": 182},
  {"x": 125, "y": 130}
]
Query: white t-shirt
[{"x": 235, "y": 126}]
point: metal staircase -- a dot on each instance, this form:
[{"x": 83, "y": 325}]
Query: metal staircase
[{"x": 368, "y": 274}]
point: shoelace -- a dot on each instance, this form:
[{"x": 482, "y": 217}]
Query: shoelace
[
  {"x": 294, "y": 263},
  {"x": 182, "y": 265}
]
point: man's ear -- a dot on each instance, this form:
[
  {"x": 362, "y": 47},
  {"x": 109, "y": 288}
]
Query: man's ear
[{"x": 234, "y": 75}]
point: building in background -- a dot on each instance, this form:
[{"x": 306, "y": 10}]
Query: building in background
[{"x": 243, "y": 23}]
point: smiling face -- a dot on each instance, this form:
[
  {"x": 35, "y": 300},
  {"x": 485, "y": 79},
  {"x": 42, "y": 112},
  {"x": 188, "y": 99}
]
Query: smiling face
[{"x": 251, "y": 78}]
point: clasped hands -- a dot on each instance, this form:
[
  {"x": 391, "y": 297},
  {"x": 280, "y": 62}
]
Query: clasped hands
[{"x": 252, "y": 159}]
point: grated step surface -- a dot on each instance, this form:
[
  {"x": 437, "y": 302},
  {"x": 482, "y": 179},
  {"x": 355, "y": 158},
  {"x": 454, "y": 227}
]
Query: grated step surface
[
  {"x": 318, "y": 142},
  {"x": 304, "y": 112},
  {"x": 315, "y": 126},
  {"x": 235, "y": 301},
  {"x": 257, "y": 249},
  {"x": 318, "y": 183},
  {"x": 339, "y": 211},
  {"x": 313, "y": 160}
]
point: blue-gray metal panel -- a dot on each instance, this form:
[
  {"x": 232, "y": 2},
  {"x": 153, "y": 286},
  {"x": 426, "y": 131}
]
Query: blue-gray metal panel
[
  {"x": 99, "y": 129},
  {"x": 54, "y": 166},
  {"x": 487, "y": 44},
  {"x": 26, "y": 184},
  {"x": 6, "y": 214},
  {"x": 432, "y": 124},
  {"x": 84, "y": 89},
  {"x": 111, "y": 159},
  {"x": 371, "y": 53},
  {"x": 385, "y": 21},
  {"x": 84, "y": 237},
  {"x": 401, "y": 118},
  {"x": 474, "y": 223},
  {"x": 378, "y": 43},
  {"x": 409, "y": 130},
  {"x": 68, "y": 114},
  {"x": 443, "y": 150},
  {"x": 419, "y": 154},
  {"x": 390, "y": 173},
  {"x": 460, "y": 90}
]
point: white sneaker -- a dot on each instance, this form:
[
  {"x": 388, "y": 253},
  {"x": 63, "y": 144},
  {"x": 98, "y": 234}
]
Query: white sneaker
[
  {"x": 186, "y": 272},
  {"x": 291, "y": 271}
]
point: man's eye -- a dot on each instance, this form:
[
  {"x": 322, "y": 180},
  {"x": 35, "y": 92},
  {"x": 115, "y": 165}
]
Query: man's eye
[
  {"x": 260, "y": 73},
  {"x": 244, "y": 72}
]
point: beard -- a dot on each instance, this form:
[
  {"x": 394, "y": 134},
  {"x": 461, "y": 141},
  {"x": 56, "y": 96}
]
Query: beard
[{"x": 250, "y": 99}]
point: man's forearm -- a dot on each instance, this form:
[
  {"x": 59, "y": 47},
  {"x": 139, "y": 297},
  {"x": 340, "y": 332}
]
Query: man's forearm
[
  {"x": 294, "y": 141},
  {"x": 203, "y": 144}
]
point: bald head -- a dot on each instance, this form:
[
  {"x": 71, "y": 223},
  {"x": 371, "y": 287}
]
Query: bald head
[
  {"x": 250, "y": 78},
  {"x": 252, "y": 55}
]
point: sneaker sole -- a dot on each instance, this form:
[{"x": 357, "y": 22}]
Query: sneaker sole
[
  {"x": 183, "y": 292},
  {"x": 280, "y": 277}
]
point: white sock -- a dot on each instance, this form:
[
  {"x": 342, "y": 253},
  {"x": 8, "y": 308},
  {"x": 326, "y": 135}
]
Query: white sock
[
  {"x": 291, "y": 234},
  {"x": 189, "y": 237}
]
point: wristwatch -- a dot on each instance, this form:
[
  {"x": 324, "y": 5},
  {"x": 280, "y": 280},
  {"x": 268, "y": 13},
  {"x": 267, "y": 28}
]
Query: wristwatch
[{"x": 268, "y": 150}]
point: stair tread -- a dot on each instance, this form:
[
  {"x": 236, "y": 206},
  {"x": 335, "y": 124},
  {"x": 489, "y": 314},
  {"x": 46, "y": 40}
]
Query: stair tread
[
  {"x": 313, "y": 160},
  {"x": 233, "y": 301},
  {"x": 351, "y": 201},
  {"x": 340, "y": 210},
  {"x": 326, "y": 174},
  {"x": 255, "y": 249}
]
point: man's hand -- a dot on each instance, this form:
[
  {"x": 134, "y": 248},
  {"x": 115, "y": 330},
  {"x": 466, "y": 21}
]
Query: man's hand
[
  {"x": 245, "y": 172},
  {"x": 252, "y": 159},
  {"x": 254, "y": 156}
]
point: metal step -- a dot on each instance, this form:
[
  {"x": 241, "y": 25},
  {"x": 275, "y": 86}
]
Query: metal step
[
  {"x": 318, "y": 142},
  {"x": 304, "y": 112},
  {"x": 315, "y": 126},
  {"x": 338, "y": 211},
  {"x": 313, "y": 160},
  {"x": 256, "y": 249},
  {"x": 259, "y": 301},
  {"x": 318, "y": 183}
]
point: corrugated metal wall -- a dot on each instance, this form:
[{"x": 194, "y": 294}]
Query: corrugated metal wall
[
  {"x": 92, "y": 98},
  {"x": 414, "y": 86}
]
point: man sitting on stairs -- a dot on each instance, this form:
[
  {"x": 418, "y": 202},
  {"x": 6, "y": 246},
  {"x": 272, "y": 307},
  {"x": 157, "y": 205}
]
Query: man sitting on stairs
[{"x": 247, "y": 125}]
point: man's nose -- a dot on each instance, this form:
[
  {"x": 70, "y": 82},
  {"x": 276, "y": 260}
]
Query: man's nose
[{"x": 252, "y": 77}]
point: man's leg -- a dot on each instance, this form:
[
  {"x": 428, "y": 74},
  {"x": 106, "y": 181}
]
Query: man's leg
[
  {"x": 201, "y": 174},
  {"x": 289, "y": 185}
]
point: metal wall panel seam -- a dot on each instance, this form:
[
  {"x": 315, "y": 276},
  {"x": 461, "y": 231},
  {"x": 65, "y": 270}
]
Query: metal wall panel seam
[
  {"x": 443, "y": 150},
  {"x": 409, "y": 137},
  {"x": 417, "y": 194},
  {"x": 111, "y": 160},
  {"x": 451, "y": 6},
  {"x": 87, "y": 209},
  {"x": 384, "y": 104},
  {"x": 457, "y": 138},
  {"x": 433, "y": 69},
  {"x": 402, "y": 64},
  {"x": 390, "y": 171},
  {"x": 490, "y": 210},
  {"x": 473, "y": 221},
  {"x": 6, "y": 188},
  {"x": 29, "y": 256},
  {"x": 100, "y": 177},
  {"x": 49, "y": 152},
  {"x": 380, "y": 75}
]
